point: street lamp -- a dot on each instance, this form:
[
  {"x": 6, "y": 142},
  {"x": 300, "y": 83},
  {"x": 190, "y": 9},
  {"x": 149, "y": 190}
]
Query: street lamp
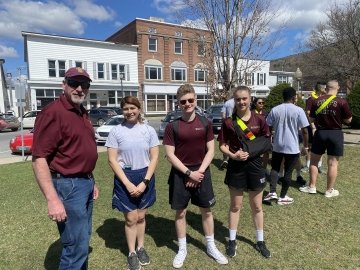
[
  {"x": 298, "y": 76},
  {"x": 121, "y": 83}
]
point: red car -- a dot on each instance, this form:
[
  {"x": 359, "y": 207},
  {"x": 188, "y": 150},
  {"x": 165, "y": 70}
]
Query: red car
[{"x": 16, "y": 144}]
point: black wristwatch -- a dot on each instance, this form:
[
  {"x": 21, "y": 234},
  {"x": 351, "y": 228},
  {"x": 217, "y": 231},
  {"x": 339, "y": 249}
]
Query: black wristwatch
[
  {"x": 146, "y": 181},
  {"x": 188, "y": 172}
]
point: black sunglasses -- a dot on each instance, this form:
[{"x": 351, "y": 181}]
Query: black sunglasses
[
  {"x": 75, "y": 84},
  {"x": 190, "y": 100},
  {"x": 259, "y": 102}
]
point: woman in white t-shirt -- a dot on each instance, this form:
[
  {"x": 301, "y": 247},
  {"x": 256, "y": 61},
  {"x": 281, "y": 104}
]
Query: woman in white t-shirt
[{"x": 133, "y": 150}]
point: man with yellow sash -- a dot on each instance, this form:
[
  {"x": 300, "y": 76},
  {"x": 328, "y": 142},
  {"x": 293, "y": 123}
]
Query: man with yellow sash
[{"x": 329, "y": 113}]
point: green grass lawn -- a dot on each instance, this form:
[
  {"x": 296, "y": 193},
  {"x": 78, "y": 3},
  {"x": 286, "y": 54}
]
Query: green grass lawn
[{"x": 313, "y": 233}]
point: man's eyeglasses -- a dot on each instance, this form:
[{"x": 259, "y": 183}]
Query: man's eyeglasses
[
  {"x": 75, "y": 84},
  {"x": 190, "y": 100}
]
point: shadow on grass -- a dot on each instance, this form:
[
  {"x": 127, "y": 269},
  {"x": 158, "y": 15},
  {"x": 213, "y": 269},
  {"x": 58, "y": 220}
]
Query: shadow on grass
[
  {"x": 52, "y": 258},
  {"x": 217, "y": 163},
  {"x": 221, "y": 232}
]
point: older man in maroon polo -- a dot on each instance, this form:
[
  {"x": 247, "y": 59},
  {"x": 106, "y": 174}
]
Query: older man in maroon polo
[{"x": 64, "y": 156}]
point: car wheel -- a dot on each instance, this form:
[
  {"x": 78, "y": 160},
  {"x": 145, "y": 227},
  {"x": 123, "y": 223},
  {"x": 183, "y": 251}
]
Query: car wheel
[
  {"x": 100, "y": 122},
  {"x": 14, "y": 129}
]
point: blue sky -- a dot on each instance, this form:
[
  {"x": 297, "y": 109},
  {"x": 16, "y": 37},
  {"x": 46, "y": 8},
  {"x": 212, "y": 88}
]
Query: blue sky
[{"x": 98, "y": 19}]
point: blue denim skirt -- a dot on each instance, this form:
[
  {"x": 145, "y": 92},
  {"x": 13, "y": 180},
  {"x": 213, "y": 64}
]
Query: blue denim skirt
[{"x": 121, "y": 197}]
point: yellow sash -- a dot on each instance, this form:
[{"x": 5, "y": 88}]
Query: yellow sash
[
  {"x": 247, "y": 131},
  {"x": 324, "y": 104}
]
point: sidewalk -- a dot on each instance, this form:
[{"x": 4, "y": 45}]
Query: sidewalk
[{"x": 351, "y": 138}]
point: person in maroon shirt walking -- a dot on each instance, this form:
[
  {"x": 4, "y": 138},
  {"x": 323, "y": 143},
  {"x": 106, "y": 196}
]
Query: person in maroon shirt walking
[
  {"x": 64, "y": 156},
  {"x": 190, "y": 155},
  {"x": 329, "y": 113}
]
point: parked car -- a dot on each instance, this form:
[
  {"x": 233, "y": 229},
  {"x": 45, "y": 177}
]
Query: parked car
[
  {"x": 102, "y": 132},
  {"x": 99, "y": 116},
  {"x": 9, "y": 121},
  {"x": 16, "y": 143},
  {"x": 28, "y": 119},
  {"x": 215, "y": 116},
  {"x": 118, "y": 110},
  {"x": 171, "y": 116}
]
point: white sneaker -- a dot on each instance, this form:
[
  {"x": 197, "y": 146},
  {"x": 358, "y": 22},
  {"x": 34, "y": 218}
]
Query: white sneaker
[
  {"x": 214, "y": 253},
  {"x": 331, "y": 193},
  {"x": 179, "y": 258},
  {"x": 271, "y": 196},
  {"x": 308, "y": 189},
  {"x": 284, "y": 201}
]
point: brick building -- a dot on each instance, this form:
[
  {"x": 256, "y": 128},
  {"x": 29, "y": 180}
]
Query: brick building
[{"x": 169, "y": 55}]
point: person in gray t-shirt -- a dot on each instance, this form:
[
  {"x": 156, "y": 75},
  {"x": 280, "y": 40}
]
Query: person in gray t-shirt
[{"x": 286, "y": 120}]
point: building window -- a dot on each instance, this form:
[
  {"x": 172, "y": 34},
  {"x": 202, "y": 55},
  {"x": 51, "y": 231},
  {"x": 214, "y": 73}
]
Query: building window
[
  {"x": 57, "y": 68},
  {"x": 178, "y": 74},
  {"x": 153, "y": 73},
  {"x": 261, "y": 79},
  {"x": 78, "y": 64},
  {"x": 200, "y": 75},
  {"x": 249, "y": 79},
  {"x": 152, "y": 44},
  {"x": 45, "y": 96},
  {"x": 282, "y": 79},
  {"x": 52, "y": 68},
  {"x": 178, "y": 47},
  {"x": 201, "y": 49},
  {"x": 62, "y": 68},
  {"x": 156, "y": 103},
  {"x": 201, "y": 101},
  {"x": 116, "y": 71},
  {"x": 100, "y": 71}
]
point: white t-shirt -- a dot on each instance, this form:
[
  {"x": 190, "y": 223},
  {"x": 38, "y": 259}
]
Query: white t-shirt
[
  {"x": 228, "y": 107},
  {"x": 133, "y": 143},
  {"x": 286, "y": 119}
]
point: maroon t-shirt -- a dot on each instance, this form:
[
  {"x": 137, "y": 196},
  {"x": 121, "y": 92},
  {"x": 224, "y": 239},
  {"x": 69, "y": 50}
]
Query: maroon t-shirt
[
  {"x": 331, "y": 117},
  {"x": 309, "y": 102},
  {"x": 191, "y": 148},
  {"x": 257, "y": 124},
  {"x": 66, "y": 138}
]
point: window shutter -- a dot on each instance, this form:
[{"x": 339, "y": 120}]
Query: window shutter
[
  {"x": 95, "y": 71},
  {"x": 264, "y": 78},
  {"x": 258, "y": 78},
  {"x": 127, "y": 66},
  {"x": 107, "y": 71}
]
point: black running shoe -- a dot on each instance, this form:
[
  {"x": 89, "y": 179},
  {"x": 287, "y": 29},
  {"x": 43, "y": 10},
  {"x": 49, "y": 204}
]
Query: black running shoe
[
  {"x": 133, "y": 262},
  {"x": 143, "y": 257},
  {"x": 231, "y": 248},
  {"x": 261, "y": 247}
]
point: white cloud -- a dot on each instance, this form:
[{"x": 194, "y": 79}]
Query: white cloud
[
  {"x": 48, "y": 16},
  {"x": 169, "y": 6},
  {"x": 87, "y": 9},
  {"x": 118, "y": 24},
  {"x": 7, "y": 52}
]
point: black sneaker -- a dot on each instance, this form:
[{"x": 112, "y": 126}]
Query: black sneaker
[
  {"x": 231, "y": 248},
  {"x": 300, "y": 180},
  {"x": 261, "y": 247},
  {"x": 143, "y": 257},
  {"x": 133, "y": 262}
]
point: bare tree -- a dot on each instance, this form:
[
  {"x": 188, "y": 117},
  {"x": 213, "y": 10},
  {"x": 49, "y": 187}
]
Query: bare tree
[
  {"x": 241, "y": 32},
  {"x": 335, "y": 44}
]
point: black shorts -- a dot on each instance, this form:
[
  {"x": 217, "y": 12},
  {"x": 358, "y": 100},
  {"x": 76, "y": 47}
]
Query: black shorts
[
  {"x": 180, "y": 195},
  {"x": 246, "y": 175},
  {"x": 331, "y": 141}
]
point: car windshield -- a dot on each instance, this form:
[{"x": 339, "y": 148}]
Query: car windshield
[
  {"x": 215, "y": 109},
  {"x": 114, "y": 121},
  {"x": 7, "y": 116},
  {"x": 172, "y": 116}
]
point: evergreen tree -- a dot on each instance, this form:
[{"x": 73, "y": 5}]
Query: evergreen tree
[
  {"x": 275, "y": 97},
  {"x": 354, "y": 103}
]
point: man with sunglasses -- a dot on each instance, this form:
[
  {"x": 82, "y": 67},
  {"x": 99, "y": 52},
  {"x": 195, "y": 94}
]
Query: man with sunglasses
[
  {"x": 64, "y": 156},
  {"x": 190, "y": 155}
]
